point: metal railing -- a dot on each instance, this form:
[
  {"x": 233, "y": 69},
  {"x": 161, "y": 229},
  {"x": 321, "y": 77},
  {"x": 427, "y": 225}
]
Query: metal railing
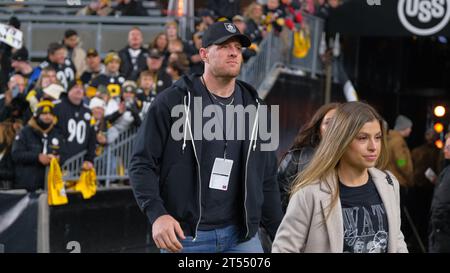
[
  {"x": 111, "y": 165},
  {"x": 276, "y": 50}
]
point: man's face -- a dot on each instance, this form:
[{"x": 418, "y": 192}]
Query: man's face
[
  {"x": 135, "y": 39},
  {"x": 46, "y": 118},
  {"x": 71, "y": 41},
  {"x": 98, "y": 112},
  {"x": 146, "y": 82},
  {"x": 93, "y": 62},
  {"x": 154, "y": 64},
  {"x": 58, "y": 56},
  {"x": 76, "y": 94},
  {"x": 241, "y": 25},
  {"x": 113, "y": 66},
  {"x": 18, "y": 81},
  {"x": 223, "y": 60},
  {"x": 17, "y": 65}
]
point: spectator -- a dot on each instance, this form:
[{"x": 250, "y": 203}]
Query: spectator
[
  {"x": 20, "y": 64},
  {"x": 146, "y": 90},
  {"x": 439, "y": 225},
  {"x": 14, "y": 105},
  {"x": 274, "y": 15},
  {"x": 146, "y": 86},
  {"x": 172, "y": 31},
  {"x": 97, "y": 7},
  {"x": 94, "y": 68},
  {"x": 57, "y": 59},
  {"x": 400, "y": 162},
  {"x": 7, "y": 135},
  {"x": 401, "y": 165},
  {"x": 73, "y": 121},
  {"x": 74, "y": 51},
  {"x": 130, "y": 8},
  {"x": 111, "y": 79},
  {"x": 161, "y": 79},
  {"x": 293, "y": 14},
  {"x": 46, "y": 78},
  {"x": 176, "y": 69},
  {"x": 5, "y": 57},
  {"x": 250, "y": 51},
  {"x": 128, "y": 113},
  {"x": 192, "y": 52},
  {"x": 160, "y": 42},
  {"x": 99, "y": 123},
  {"x": 425, "y": 158},
  {"x": 225, "y": 8},
  {"x": 254, "y": 15},
  {"x": 36, "y": 145},
  {"x": 301, "y": 152},
  {"x": 208, "y": 18},
  {"x": 133, "y": 56}
]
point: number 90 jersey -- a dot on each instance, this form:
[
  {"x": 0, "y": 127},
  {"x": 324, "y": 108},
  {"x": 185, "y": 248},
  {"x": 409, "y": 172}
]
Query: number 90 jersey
[{"x": 74, "y": 124}]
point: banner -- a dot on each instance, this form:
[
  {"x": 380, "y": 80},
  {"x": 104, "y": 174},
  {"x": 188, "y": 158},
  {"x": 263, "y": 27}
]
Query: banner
[
  {"x": 391, "y": 18},
  {"x": 18, "y": 222},
  {"x": 11, "y": 36}
]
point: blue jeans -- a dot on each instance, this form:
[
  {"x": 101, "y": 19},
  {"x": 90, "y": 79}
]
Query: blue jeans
[{"x": 222, "y": 240}]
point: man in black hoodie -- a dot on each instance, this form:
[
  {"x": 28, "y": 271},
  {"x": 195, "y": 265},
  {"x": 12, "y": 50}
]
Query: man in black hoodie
[
  {"x": 206, "y": 194},
  {"x": 35, "y": 146}
]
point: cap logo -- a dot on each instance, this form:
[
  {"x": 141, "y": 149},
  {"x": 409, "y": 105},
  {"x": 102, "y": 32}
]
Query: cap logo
[{"x": 230, "y": 27}]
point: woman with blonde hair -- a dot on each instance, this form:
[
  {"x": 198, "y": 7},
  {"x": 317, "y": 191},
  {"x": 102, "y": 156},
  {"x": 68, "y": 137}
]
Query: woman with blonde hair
[{"x": 342, "y": 197}]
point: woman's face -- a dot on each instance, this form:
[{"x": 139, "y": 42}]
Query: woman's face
[
  {"x": 364, "y": 150},
  {"x": 48, "y": 79},
  {"x": 161, "y": 42},
  {"x": 326, "y": 121}
]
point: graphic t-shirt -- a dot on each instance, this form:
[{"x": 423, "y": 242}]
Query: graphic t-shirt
[{"x": 365, "y": 220}]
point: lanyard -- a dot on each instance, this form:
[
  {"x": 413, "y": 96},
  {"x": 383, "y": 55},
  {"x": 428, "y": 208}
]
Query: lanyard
[{"x": 221, "y": 123}]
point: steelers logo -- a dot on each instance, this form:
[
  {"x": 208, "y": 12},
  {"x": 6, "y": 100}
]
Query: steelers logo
[{"x": 55, "y": 142}]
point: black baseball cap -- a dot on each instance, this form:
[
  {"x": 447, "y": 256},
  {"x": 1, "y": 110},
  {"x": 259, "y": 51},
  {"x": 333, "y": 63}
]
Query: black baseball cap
[
  {"x": 155, "y": 54},
  {"x": 20, "y": 55},
  {"x": 220, "y": 32}
]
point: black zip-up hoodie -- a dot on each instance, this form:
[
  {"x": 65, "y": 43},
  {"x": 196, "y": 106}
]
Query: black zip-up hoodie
[{"x": 165, "y": 174}]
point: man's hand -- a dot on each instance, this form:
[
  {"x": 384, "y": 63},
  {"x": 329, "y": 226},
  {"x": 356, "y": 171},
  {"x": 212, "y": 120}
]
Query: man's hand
[
  {"x": 87, "y": 165},
  {"x": 44, "y": 159},
  {"x": 165, "y": 230}
]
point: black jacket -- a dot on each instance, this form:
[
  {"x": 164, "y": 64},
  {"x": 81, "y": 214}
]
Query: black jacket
[
  {"x": 166, "y": 178},
  {"x": 293, "y": 162},
  {"x": 126, "y": 66},
  {"x": 439, "y": 236},
  {"x": 30, "y": 173},
  {"x": 6, "y": 170}
]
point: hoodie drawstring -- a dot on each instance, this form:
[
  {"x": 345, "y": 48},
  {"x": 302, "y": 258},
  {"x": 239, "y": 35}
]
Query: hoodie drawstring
[
  {"x": 186, "y": 121},
  {"x": 254, "y": 135}
]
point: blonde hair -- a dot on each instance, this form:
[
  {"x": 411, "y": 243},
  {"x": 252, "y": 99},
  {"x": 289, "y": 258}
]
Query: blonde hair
[
  {"x": 348, "y": 120},
  {"x": 249, "y": 12}
]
